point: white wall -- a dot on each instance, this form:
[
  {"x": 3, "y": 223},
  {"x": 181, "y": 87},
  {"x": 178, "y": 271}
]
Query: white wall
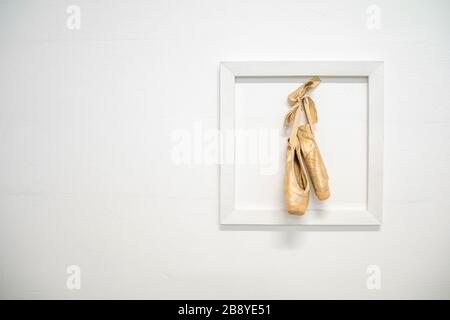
[{"x": 86, "y": 176}]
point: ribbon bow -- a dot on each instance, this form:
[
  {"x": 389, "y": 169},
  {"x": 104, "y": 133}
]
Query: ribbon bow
[{"x": 298, "y": 100}]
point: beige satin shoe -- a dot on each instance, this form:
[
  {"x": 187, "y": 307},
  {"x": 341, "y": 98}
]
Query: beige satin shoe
[
  {"x": 296, "y": 184},
  {"x": 303, "y": 155},
  {"x": 314, "y": 163}
]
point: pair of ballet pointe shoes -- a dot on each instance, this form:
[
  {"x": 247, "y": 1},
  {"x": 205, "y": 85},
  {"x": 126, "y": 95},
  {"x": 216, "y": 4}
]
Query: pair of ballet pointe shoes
[{"x": 304, "y": 163}]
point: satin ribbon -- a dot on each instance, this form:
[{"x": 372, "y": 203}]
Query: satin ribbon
[{"x": 298, "y": 100}]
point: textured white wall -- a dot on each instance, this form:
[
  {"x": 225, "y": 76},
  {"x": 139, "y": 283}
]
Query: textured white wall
[{"x": 86, "y": 176}]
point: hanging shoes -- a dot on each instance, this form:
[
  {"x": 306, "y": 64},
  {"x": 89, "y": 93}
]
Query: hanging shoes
[
  {"x": 296, "y": 184},
  {"x": 303, "y": 155},
  {"x": 314, "y": 163}
]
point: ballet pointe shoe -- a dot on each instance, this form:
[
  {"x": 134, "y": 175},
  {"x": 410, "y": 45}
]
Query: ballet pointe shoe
[
  {"x": 313, "y": 161},
  {"x": 303, "y": 160},
  {"x": 296, "y": 185}
]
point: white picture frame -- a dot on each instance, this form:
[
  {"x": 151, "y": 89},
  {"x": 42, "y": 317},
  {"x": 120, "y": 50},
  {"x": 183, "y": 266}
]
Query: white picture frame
[{"x": 371, "y": 216}]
